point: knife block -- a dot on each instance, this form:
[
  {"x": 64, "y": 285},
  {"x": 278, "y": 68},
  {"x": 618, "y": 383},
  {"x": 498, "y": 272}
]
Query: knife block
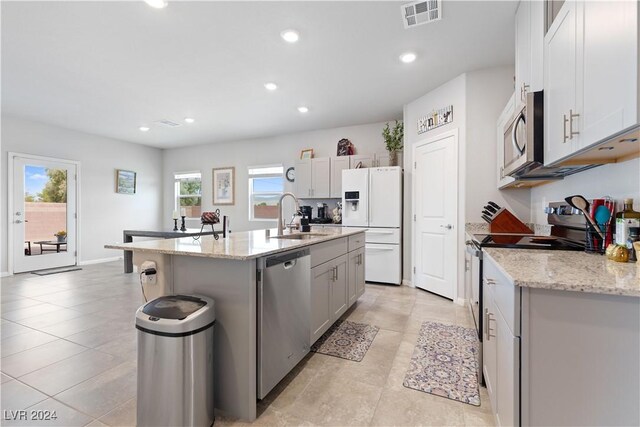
[{"x": 506, "y": 222}]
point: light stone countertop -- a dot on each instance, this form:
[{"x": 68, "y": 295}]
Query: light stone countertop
[
  {"x": 239, "y": 246},
  {"x": 567, "y": 271}
]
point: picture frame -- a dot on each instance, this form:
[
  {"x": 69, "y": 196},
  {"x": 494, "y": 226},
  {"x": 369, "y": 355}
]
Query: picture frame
[
  {"x": 306, "y": 154},
  {"x": 126, "y": 181},
  {"x": 224, "y": 185}
]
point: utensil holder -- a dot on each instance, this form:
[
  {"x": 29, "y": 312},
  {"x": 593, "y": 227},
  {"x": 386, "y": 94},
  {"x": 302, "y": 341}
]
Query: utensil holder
[{"x": 594, "y": 242}]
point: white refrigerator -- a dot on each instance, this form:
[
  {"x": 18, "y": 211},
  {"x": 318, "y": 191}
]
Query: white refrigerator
[{"x": 372, "y": 199}]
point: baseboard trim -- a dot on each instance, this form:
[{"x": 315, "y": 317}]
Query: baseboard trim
[
  {"x": 461, "y": 301},
  {"x": 408, "y": 283},
  {"x": 100, "y": 260},
  {"x": 5, "y": 274}
]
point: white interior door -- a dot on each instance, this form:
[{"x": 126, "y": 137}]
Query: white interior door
[
  {"x": 44, "y": 205},
  {"x": 435, "y": 183}
]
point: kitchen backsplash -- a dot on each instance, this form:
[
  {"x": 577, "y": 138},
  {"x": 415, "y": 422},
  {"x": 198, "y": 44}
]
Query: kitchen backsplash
[{"x": 619, "y": 181}]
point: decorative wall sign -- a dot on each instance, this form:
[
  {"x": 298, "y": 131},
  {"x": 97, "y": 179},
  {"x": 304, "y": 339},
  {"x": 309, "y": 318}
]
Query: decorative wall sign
[
  {"x": 436, "y": 119},
  {"x": 125, "y": 182},
  {"x": 223, "y": 186}
]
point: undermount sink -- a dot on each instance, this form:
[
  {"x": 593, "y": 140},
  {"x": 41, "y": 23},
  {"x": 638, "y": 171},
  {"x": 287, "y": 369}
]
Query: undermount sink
[{"x": 299, "y": 236}]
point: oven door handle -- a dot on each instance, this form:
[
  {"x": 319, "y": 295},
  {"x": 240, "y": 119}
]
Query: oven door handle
[{"x": 473, "y": 250}]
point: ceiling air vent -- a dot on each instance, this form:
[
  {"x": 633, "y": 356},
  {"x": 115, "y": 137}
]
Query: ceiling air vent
[
  {"x": 421, "y": 12},
  {"x": 168, "y": 123}
]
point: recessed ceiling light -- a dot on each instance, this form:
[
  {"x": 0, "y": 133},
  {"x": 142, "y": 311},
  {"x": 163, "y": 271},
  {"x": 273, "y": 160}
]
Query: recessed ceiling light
[
  {"x": 303, "y": 109},
  {"x": 158, "y": 4},
  {"x": 290, "y": 36},
  {"x": 189, "y": 120},
  {"x": 271, "y": 86},
  {"x": 144, "y": 128},
  {"x": 408, "y": 57}
]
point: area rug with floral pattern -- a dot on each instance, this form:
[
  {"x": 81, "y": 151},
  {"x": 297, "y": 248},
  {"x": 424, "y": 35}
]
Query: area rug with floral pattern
[
  {"x": 347, "y": 340},
  {"x": 445, "y": 362}
]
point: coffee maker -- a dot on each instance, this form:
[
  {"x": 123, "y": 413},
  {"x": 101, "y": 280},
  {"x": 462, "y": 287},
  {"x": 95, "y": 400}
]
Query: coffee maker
[
  {"x": 307, "y": 211},
  {"x": 323, "y": 212}
]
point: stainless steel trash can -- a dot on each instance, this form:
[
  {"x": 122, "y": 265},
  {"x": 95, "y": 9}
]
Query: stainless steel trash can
[{"x": 175, "y": 361}]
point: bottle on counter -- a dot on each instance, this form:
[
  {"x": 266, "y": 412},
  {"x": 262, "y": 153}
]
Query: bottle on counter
[{"x": 626, "y": 219}]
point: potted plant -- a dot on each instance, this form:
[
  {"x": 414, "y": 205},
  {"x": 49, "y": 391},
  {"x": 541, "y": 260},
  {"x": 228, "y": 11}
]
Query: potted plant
[
  {"x": 393, "y": 141},
  {"x": 61, "y": 235}
]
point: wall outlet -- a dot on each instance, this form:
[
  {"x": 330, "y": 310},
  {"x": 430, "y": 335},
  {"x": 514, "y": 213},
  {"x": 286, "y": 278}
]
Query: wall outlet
[{"x": 148, "y": 279}]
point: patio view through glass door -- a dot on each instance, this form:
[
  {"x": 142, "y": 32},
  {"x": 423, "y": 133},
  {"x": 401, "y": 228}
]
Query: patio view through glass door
[{"x": 44, "y": 214}]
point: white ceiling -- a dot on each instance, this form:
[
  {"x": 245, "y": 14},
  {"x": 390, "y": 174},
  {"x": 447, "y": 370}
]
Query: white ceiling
[{"x": 109, "y": 67}]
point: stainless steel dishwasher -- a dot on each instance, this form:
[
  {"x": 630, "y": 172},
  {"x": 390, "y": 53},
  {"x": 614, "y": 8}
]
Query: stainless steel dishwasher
[{"x": 284, "y": 282}]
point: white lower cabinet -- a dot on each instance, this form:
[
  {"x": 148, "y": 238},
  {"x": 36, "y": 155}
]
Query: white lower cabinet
[
  {"x": 356, "y": 275},
  {"x": 337, "y": 281},
  {"x": 501, "y": 346},
  {"x": 507, "y": 388},
  {"x": 489, "y": 347},
  {"x": 339, "y": 289},
  {"x": 321, "y": 278}
]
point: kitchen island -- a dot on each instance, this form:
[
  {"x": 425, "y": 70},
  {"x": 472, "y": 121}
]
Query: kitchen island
[{"x": 230, "y": 271}]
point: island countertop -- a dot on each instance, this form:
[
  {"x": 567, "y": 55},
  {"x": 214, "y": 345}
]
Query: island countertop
[
  {"x": 239, "y": 246},
  {"x": 567, "y": 271}
]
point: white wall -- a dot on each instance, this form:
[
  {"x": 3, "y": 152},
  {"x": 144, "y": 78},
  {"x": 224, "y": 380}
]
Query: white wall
[
  {"x": 478, "y": 98},
  {"x": 616, "y": 180},
  {"x": 103, "y": 212},
  {"x": 263, "y": 151},
  {"x": 487, "y": 94}
]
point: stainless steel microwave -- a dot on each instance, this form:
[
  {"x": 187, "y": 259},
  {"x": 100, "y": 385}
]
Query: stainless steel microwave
[{"x": 523, "y": 137}]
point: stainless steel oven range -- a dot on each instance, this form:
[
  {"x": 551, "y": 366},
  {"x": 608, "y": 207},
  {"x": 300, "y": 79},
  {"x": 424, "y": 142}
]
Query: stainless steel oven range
[{"x": 567, "y": 233}]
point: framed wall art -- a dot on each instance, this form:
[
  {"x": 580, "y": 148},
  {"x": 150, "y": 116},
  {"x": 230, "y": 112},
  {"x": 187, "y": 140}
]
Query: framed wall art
[
  {"x": 125, "y": 182},
  {"x": 224, "y": 186},
  {"x": 306, "y": 154}
]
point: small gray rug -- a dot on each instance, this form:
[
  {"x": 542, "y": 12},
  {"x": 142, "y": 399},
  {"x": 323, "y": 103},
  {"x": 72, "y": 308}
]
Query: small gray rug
[
  {"x": 445, "y": 362},
  {"x": 55, "y": 271},
  {"x": 347, "y": 340}
]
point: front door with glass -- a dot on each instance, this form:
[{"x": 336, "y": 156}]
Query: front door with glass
[{"x": 43, "y": 217}]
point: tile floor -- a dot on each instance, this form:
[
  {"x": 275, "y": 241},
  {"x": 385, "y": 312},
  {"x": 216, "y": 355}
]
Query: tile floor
[{"x": 68, "y": 345}]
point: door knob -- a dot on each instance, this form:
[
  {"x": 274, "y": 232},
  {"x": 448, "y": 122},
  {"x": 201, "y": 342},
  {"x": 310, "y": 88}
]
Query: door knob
[{"x": 448, "y": 226}]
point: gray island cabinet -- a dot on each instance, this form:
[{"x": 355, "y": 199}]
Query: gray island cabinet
[
  {"x": 228, "y": 270},
  {"x": 561, "y": 339}
]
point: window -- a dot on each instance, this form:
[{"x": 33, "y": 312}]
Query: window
[
  {"x": 188, "y": 191},
  {"x": 265, "y": 188}
]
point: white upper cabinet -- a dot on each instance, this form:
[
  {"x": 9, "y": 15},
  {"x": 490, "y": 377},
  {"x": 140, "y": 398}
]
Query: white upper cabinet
[
  {"x": 320, "y": 178},
  {"x": 338, "y": 164},
  {"x": 383, "y": 159},
  {"x": 590, "y": 75},
  {"x": 303, "y": 178},
  {"x": 529, "y": 48},
  {"x": 560, "y": 112},
  {"x": 366, "y": 160},
  {"x": 607, "y": 48},
  {"x": 313, "y": 178}
]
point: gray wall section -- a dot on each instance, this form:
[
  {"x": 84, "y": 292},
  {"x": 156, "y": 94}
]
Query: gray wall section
[
  {"x": 282, "y": 149},
  {"x": 103, "y": 212}
]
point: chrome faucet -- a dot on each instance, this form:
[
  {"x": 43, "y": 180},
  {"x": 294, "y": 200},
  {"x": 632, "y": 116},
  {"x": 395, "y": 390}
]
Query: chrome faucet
[{"x": 280, "y": 216}]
